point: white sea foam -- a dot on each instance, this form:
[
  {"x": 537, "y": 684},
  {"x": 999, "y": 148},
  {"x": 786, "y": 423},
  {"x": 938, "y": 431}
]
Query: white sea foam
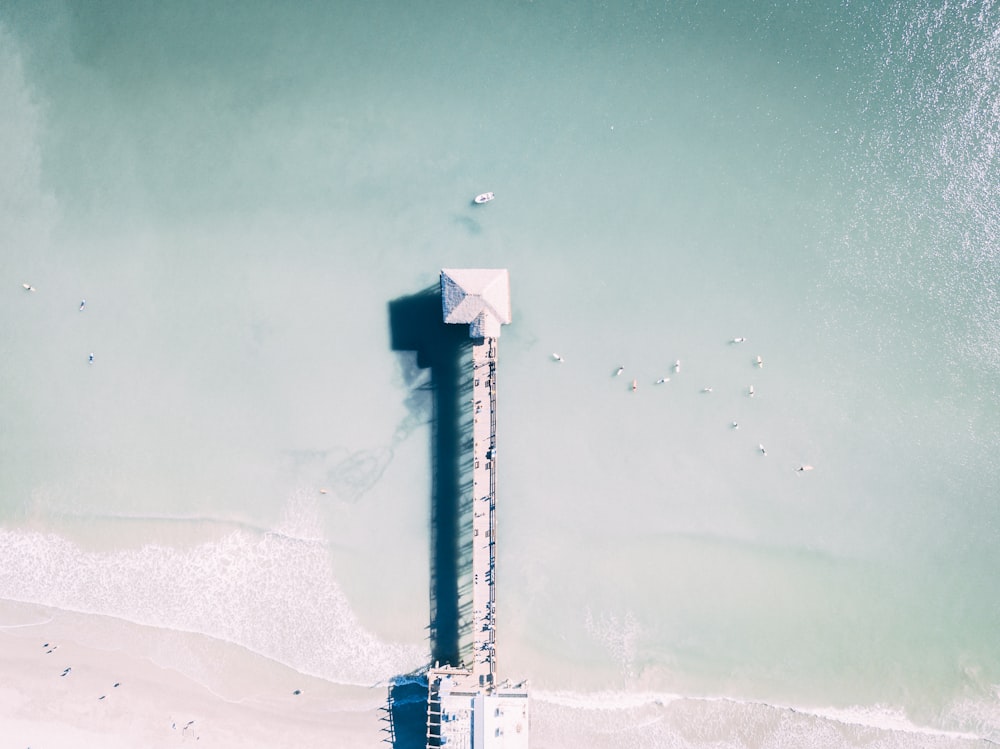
[
  {"x": 616, "y": 634},
  {"x": 886, "y": 718},
  {"x": 273, "y": 593},
  {"x": 980, "y": 715},
  {"x": 604, "y": 700},
  {"x": 650, "y": 717}
]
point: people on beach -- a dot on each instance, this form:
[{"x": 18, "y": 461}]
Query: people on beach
[
  {"x": 707, "y": 389},
  {"x": 803, "y": 468},
  {"x": 677, "y": 366},
  {"x": 619, "y": 371},
  {"x": 662, "y": 380},
  {"x": 635, "y": 385},
  {"x": 758, "y": 362},
  {"x": 28, "y": 287},
  {"x": 83, "y": 303},
  {"x": 90, "y": 359},
  {"x": 750, "y": 391},
  {"x": 741, "y": 339},
  {"x": 762, "y": 450},
  {"x": 557, "y": 358}
]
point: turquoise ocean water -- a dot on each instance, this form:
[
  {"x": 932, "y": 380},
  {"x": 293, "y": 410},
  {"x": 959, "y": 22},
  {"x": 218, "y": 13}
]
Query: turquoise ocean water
[{"x": 237, "y": 190}]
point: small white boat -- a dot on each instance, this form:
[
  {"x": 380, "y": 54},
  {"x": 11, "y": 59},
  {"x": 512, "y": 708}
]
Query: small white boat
[{"x": 485, "y": 197}]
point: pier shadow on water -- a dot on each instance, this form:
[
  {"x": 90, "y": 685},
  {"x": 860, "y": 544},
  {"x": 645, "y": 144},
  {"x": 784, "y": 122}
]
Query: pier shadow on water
[{"x": 443, "y": 352}]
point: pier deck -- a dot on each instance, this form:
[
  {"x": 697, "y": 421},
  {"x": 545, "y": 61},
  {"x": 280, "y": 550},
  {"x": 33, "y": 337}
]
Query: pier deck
[{"x": 484, "y": 395}]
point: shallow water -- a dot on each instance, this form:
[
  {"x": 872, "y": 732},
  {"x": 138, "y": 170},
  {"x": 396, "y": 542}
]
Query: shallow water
[{"x": 238, "y": 196}]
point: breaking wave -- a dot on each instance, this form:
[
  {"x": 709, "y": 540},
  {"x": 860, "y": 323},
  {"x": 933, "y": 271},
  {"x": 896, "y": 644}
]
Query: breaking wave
[
  {"x": 273, "y": 593},
  {"x": 652, "y": 719}
]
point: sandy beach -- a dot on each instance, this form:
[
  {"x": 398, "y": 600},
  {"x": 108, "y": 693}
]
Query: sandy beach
[{"x": 61, "y": 670}]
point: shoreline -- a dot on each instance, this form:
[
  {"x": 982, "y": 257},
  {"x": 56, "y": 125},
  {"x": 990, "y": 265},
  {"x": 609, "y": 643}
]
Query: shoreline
[
  {"x": 175, "y": 687},
  {"x": 61, "y": 669}
]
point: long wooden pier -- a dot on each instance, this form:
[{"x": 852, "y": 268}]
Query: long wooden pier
[
  {"x": 484, "y": 437},
  {"x": 466, "y": 707}
]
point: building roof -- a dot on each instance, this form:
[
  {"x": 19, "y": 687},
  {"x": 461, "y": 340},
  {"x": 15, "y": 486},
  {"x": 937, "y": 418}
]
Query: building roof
[
  {"x": 466, "y": 715},
  {"x": 478, "y": 297}
]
